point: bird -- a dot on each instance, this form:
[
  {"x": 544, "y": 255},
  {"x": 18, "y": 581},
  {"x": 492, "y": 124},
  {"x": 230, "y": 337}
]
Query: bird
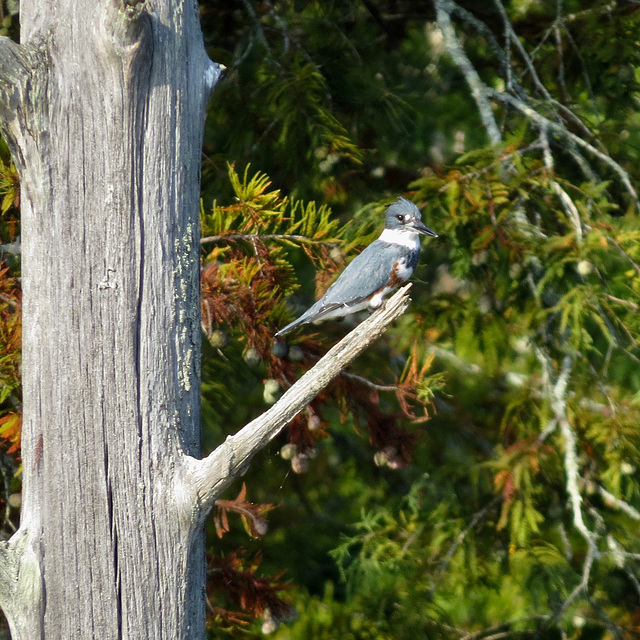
[{"x": 383, "y": 266}]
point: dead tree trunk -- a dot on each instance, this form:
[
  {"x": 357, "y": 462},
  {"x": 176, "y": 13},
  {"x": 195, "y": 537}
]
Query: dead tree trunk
[{"x": 103, "y": 105}]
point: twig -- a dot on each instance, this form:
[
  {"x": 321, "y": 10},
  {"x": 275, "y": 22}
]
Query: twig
[
  {"x": 463, "y": 534},
  {"x": 620, "y": 558},
  {"x": 369, "y": 383},
  {"x": 615, "y": 503},
  {"x": 559, "y": 408},
  {"x": 582, "y": 585},
  {"x": 634, "y": 580},
  {"x": 13, "y": 248},
  {"x": 552, "y": 425},
  {"x": 618, "y": 246},
  {"x": 566, "y": 545},
  {"x": 513, "y": 37},
  {"x": 258, "y": 27},
  {"x": 585, "y": 75},
  {"x": 627, "y": 554},
  {"x": 609, "y": 623},
  {"x": 500, "y": 161},
  {"x": 455, "y": 360},
  {"x": 582, "y": 163},
  {"x": 483, "y": 30},
  {"x": 503, "y": 630},
  {"x": 250, "y": 237},
  {"x": 627, "y": 303},
  {"x": 476, "y": 635},
  {"x": 557, "y": 397},
  {"x": 567, "y": 203},
  {"x": 561, "y": 82},
  {"x": 286, "y": 36}
]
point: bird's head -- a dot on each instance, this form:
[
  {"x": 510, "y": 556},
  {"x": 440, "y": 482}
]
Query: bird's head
[{"x": 403, "y": 215}]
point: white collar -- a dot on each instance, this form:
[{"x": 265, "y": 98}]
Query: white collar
[{"x": 402, "y": 237}]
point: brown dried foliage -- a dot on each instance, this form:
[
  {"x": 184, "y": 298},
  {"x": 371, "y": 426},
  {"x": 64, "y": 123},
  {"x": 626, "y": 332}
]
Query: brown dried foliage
[
  {"x": 235, "y": 576},
  {"x": 10, "y": 358},
  {"x": 241, "y": 291},
  {"x": 252, "y": 515},
  {"x": 385, "y": 433}
]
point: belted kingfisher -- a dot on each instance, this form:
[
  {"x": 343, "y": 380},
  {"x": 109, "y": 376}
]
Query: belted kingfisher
[{"x": 383, "y": 266}]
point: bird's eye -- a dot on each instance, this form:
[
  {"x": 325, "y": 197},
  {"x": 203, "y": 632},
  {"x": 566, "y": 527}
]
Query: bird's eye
[{"x": 400, "y": 218}]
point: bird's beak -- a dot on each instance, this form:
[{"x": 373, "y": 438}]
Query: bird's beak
[{"x": 421, "y": 227}]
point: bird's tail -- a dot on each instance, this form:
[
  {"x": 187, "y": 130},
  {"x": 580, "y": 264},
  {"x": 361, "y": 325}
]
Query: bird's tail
[
  {"x": 313, "y": 314},
  {"x": 289, "y": 328}
]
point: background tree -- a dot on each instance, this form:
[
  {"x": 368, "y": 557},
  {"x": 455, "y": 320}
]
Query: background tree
[{"x": 514, "y": 513}]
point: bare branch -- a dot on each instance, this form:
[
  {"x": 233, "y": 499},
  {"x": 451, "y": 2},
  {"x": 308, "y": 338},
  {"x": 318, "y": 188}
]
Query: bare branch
[
  {"x": 619, "y": 247},
  {"x": 615, "y": 503},
  {"x": 369, "y": 383},
  {"x": 539, "y": 85},
  {"x": 620, "y": 557},
  {"x": 207, "y": 478},
  {"x": 626, "y": 554},
  {"x": 561, "y": 82},
  {"x": 503, "y": 630},
  {"x": 634, "y": 580},
  {"x": 582, "y": 585},
  {"x": 479, "y": 90},
  {"x": 20, "y": 582},
  {"x": 627, "y": 303},
  {"x": 454, "y": 360},
  {"x": 455, "y": 545},
  {"x": 558, "y": 398},
  {"x": 513, "y": 37},
  {"x": 12, "y": 248},
  {"x": 581, "y": 162},
  {"x": 266, "y": 236},
  {"x": 567, "y": 203},
  {"x": 562, "y": 132},
  {"x": 573, "y": 473},
  {"x": 559, "y": 408},
  {"x": 585, "y": 74},
  {"x": 608, "y": 622},
  {"x": 484, "y": 31},
  {"x": 257, "y": 25}
]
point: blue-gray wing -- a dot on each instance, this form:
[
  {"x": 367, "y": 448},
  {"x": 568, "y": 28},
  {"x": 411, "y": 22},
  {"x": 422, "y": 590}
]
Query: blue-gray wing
[{"x": 366, "y": 274}]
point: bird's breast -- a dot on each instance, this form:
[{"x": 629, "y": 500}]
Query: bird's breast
[{"x": 402, "y": 271}]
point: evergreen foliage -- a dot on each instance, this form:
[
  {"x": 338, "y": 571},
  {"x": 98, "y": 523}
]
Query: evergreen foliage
[{"x": 476, "y": 474}]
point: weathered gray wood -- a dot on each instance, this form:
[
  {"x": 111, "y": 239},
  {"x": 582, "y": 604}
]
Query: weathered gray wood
[
  {"x": 21, "y": 584},
  {"x": 14, "y": 71},
  {"x": 107, "y": 140},
  {"x": 210, "y": 476}
]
